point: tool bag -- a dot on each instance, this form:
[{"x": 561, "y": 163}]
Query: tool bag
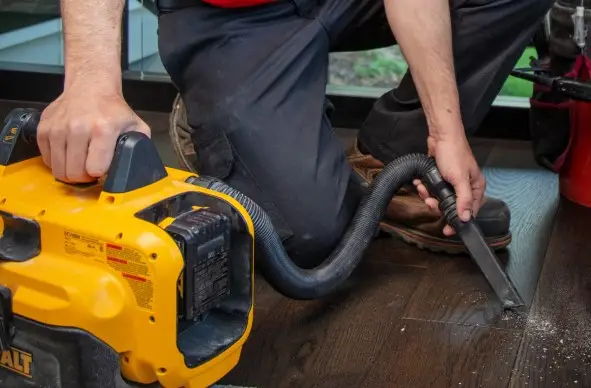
[{"x": 553, "y": 115}]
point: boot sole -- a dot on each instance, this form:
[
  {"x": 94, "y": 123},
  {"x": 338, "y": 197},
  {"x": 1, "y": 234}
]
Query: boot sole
[{"x": 424, "y": 241}]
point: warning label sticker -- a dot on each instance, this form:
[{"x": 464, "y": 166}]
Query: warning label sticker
[{"x": 130, "y": 263}]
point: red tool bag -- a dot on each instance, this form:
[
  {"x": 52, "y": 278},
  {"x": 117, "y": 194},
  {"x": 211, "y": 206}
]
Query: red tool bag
[
  {"x": 561, "y": 134},
  {"x": 574, "y": 164},
  {"x": 561, "y": 126}
]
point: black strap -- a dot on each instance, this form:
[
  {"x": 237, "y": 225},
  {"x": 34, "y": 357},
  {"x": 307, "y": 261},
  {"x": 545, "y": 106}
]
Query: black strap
[{"x": 169, "y": 5}]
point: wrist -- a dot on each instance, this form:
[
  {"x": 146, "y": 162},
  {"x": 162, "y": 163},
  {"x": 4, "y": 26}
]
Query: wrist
[
  {"x": 95, "y": 84},
  {"x": 101, "y": 79},
  {"x": 446, "y": 126}
]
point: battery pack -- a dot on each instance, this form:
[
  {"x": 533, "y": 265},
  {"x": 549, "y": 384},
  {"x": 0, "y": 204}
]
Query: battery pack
[{"x": 203, "y": 237}]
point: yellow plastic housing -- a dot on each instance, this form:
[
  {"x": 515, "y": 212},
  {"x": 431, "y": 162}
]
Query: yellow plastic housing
[{"x": 76, "y": 281}]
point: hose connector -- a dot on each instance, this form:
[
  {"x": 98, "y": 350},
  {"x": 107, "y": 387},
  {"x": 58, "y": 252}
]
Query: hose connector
[{"x": 444, "y": 192}]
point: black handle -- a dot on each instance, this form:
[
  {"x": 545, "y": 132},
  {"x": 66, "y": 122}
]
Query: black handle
[
  {"x": 576, "y": 89},
  {"x": 29, "y": 122},
  {"x": 445, "y": 193},
  {"x": 136, "y": 162}
]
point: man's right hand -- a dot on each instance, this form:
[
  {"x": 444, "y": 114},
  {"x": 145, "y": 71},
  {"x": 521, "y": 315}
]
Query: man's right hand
[{"x": 78, "y": 132}]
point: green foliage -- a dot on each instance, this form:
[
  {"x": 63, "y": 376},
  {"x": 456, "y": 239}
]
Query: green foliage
[
  {"x": 383, "y": 64},
  {"x": 517, "y": 87},
  {"x": 379, "y": 66}
]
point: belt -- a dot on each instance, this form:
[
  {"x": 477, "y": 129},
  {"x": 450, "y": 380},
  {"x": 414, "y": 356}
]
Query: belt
[
  {"x": 163, "y": 5},
  {"x": 169, "y": 5}
]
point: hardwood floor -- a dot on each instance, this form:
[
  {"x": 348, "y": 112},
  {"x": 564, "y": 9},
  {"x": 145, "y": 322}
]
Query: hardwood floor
[
  {"x": 411, "y": 318},
  {"x": 556, "y": 347}
]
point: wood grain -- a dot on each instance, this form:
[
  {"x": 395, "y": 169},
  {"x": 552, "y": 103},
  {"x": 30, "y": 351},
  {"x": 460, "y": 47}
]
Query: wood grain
[
  {"x": 390, "y": 249},
  {"x": 454, "y": 290},
  {"x": 556, "y": 351},
  {"x": 532, "y": 196},
  {"x": 327, "y": 343},
  {"x": 429, "y": 354}
]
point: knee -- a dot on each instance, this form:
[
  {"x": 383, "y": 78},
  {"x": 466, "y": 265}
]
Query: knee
[
  {"x": 310, "y": 245},
  {"x": 318, "y": 230}
]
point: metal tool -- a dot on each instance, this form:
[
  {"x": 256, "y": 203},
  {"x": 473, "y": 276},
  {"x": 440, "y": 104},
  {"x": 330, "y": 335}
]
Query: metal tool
[
  {"x": 570, "y": 87},
  {"x": 474, "y": 241}
]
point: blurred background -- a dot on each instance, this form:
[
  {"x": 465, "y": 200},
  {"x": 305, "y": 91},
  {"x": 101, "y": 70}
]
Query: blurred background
[{"x": 31, "y": 34}]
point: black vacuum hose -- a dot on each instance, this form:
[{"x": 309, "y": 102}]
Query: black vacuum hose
[{"x": 298, "y": 283}]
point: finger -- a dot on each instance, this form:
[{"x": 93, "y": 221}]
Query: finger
[
  {"x": 479, "y": 188},
  {"x": 464, "y": 199},
  {"x": 57, "y": 144},
  {"x": 423, "y": 192},
  {"x": 433, "y": 204},
  {"x": 43, "y": 131},
  {"x": 416, "y": 182},
  {"x": 134, "y": 123},
  {"x": 100, "y": 150},
  {"x": 143, "y": 127},
  {"x": 76, "y": 152},
  {"x": 448, "y": 231}
]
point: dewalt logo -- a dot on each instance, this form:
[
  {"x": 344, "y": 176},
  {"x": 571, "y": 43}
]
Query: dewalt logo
[
  {"x": 17, "y": 361},
  {"x": 9, "y": 138}
]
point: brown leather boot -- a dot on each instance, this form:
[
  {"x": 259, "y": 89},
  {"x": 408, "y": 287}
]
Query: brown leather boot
[{"x": 409, "y": 218}]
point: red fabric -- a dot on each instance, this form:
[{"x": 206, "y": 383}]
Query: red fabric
[
  {"x": 237, "y": 3},
  {"x": 582, "y": 71},
  {"x": 575, "y": 163}
]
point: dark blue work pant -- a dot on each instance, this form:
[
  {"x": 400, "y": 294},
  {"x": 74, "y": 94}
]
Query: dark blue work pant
[{"x": 253, "y": 81}]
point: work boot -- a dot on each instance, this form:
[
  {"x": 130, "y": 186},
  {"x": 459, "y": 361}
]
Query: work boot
[{"x": 409, "y": 218}]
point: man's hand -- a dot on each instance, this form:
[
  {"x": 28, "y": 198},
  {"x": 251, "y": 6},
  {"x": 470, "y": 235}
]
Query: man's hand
[
  {"x": 458, "y": 167},
  {"x": 78, "y": 132}
]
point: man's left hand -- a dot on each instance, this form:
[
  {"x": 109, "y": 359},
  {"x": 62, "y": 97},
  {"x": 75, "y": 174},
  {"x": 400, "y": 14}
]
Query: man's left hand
[{"x": 458, "y": 167}]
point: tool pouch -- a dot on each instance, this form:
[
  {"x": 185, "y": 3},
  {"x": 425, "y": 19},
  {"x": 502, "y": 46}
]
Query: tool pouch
[
  {"x": 549, "y": 126},
  {"x": 551, "y": 112},
  {"x": 553, "y": 118}
]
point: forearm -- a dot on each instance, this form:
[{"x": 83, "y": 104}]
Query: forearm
[
  {"x": 92, "y": 37},
  {"x": 423, "y": 32}
]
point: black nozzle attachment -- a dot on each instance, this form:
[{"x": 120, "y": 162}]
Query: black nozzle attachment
[
  {"x": 473, "y": 239},
  {"x": 444, "y": 193}
]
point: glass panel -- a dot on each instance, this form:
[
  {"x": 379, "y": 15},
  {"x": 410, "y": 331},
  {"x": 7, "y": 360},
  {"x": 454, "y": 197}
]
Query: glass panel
[
  {"x": 368, "y": 72},
  {"x": 383, "y": 69},
  {"x": 143, "y": 38},
  {"x": 31, "y": 32}
]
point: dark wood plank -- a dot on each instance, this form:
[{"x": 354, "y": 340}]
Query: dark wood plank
[
  {"x": 512, "y": 154},
  {"x": 533, "y": 198},
  {"x": 393, "y": 250},
  {"x": 431, "y": 354},
  {"x": 331, "y": 342},
  {"x": 556, "y": 350},
  {"x": 454, "y": 290},
  {"x": 482, "y": 148}
]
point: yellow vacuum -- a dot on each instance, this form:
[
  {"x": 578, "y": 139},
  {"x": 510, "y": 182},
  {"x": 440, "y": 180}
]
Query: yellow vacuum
[
  {"x": 145, "y": 277},
  {"x": 142, "y": 277}
]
